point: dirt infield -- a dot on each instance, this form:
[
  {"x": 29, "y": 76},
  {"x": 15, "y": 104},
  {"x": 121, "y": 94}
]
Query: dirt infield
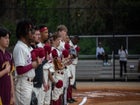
[{"x": 107, "y": 93}]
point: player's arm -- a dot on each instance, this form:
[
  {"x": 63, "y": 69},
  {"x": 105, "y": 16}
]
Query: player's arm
[{"x": 24, "y": 69}]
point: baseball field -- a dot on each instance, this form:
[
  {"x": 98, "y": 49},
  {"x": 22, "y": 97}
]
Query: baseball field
[{"x": 107, "y": 93}]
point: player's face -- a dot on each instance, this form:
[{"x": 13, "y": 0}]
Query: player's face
[
  {"x": 57, "y": 42},
  {"x": 4, "y": 41},
  {"x": 63, "y": 34},
  {"x": 44, "y": 35},
  {"x": 29, "y": 38},
  {"x": 36, "y": 36},
  {"x": 67, "y": 39}
]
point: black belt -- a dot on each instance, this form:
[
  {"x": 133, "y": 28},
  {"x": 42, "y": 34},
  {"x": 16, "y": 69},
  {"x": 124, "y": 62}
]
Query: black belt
[{"x": 29, "y": 79}]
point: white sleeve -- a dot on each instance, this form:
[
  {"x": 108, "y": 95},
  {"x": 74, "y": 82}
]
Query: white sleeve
[
  {"x": 103, "y": 50},
  {"x": 46, "y": 66},
  {"x": 61, "y": 46},
  {"x": 70, "y": 43},
  {"x": 19, "y": 57}
]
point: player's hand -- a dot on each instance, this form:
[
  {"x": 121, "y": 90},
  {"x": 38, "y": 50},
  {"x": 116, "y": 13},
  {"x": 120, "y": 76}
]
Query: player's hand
[
  {"x": 36, "y": 63},
  {"x": 12, "y": 101},
  {"x": 46, "y": 87},
  {"x": 6, "y": 65},
  {"x": 39, "y": 60}
]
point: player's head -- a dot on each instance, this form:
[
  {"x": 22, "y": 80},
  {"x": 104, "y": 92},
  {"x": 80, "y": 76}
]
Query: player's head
[
  {"x": 62, "y": 31},
  {"x": 4, "y": 37},
  {"x": 24, "y": 30},
  {"x": 55, "y": 39},
  {"x": 4, "y": 32},
  {"x": 36, "y": 35},
  {"x": 44, "y": 33},
  {"x": 75, "y": 39}
]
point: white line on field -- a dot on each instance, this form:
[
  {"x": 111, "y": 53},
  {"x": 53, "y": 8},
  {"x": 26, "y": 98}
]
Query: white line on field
[{"x": 83, "y": 101}]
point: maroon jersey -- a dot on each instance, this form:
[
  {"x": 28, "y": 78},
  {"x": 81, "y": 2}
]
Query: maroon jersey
[{"x": 5, "y": 81}]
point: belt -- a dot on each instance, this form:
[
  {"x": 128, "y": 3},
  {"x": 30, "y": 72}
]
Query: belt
[
  {"x": 60, "y": 72},
  {"x": 30, "y": 79}
]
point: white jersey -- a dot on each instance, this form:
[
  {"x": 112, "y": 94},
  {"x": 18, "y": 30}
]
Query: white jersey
[
  {"x": 40, "y": 45},
  {"x": 46, "y": 96},
  {"x": 23, "y": 88},
  {"x": 75, "y": 61},
  {"x": 61, "y": 46},
  {"x": 58, "y": 52},
  {"x": 70, "y": 43},
  {"x": 22, "y": 57},
  {"x": 72, "y": 67},
  {"x": 58, "y": 75}
]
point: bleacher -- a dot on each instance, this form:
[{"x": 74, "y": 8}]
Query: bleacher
[{"x": 93, "y": 69}]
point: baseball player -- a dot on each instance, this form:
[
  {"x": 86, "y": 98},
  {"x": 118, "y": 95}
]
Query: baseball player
[
  {"x": 23, "y": 62},
  {"x": 56, "y": 54},
  {"x": 74, "y": 53}
]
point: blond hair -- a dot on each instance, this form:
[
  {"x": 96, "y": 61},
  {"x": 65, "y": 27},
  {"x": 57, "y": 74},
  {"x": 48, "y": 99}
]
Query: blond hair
[{"x": 62, "y": 28}]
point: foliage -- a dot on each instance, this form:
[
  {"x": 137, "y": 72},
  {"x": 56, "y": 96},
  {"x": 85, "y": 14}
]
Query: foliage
[
  {"x": 10, "y": 26},
  {"x": 82, "y": 17},
  {"x": 87, "y": 46}
]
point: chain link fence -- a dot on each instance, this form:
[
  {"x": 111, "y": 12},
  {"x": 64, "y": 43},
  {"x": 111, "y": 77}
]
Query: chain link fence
[{"x": 82, "y": 21}]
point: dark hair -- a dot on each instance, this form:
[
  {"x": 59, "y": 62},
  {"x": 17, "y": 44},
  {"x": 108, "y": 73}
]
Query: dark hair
[
  {"x": 42, "y": 26},
  {"x": 4, "y": 32},
  {"x": 55, "y": 36},
  {"x": 23, "y": 28},
  {"x": 36, "y": 27},
  {"x": 77, "y": 37}
]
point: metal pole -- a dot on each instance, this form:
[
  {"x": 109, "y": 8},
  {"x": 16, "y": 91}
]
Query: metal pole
[
  {"x": 113, "y": 10},
  {"x": 127, "y": 42},
  {"x": 113, "y": 57}
]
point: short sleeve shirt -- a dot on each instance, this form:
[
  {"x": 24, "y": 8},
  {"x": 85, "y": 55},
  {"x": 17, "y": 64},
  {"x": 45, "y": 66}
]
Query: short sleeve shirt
[
  {"x": 99, "y": 50},
  {"x": 59, "y": 53},
  {"x": 75, "y": 61},
  {"x": 61, "y": 45},
  {"x": 22, "y": 57},
  {"x": 5, "y": 81},
  {"x": 123, "y": 55}
]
